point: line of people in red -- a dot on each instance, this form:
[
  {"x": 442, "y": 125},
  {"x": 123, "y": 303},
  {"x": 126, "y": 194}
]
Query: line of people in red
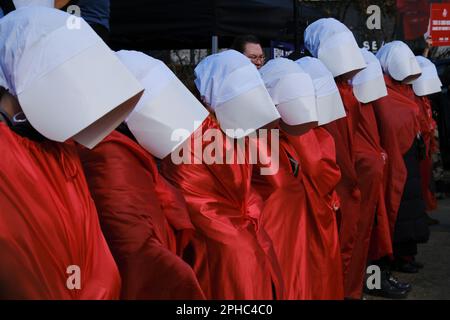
[{"x": 90, "y": 177}]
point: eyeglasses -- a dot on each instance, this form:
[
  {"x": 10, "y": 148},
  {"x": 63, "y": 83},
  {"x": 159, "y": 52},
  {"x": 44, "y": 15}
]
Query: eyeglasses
[{"x": 254, "y": 58}]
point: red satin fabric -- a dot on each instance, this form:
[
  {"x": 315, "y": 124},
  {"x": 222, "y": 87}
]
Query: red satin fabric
[
  {"x": 232, "y": 257},
  {"x": 48, "y": 222},
  {"x": 370, "y": 167},
  {"x": 427, "y": 129},
  {"x": 318, "y": 242},
  {"x": 302, "y": 227},
  {"x": 344, "y": 132},
  {"x": 141, "y": 216},
  {"x": 397, "y": 119}
]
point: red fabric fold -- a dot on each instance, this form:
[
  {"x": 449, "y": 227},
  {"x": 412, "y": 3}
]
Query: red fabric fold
[
  {"x": 232, "y": 255},
  {"x": 141, "y": 216},
  {"x": 308, "y": 211},
  {"x": 427, "y": 129},
  {"x": 397, "y": 119},
  {"x": 344, "y": 131},
  {"x": 370, "y": 165},
  {"x": 48, "y": 222}
]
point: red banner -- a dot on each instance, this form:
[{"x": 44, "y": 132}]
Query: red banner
[{"x": 440, "y": 24}]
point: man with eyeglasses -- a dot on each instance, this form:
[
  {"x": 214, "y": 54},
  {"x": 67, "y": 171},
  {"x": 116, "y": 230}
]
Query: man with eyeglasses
[{"x": 250, "y": 46}]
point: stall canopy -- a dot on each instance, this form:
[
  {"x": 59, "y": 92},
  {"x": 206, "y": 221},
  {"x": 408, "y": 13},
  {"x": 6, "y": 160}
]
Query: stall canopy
[{"x": 167, "y": 24}]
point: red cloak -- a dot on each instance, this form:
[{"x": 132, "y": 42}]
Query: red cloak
[
  {"x": 48, "y": 222},
  {"x": 301, "y": 224},
  {"x": 427, "y": 129},
  {"x": 232, "y": 257},
  {"x": 316, "y": 154},
  {"x": 397, "y": 119},
  {"x": 370, "y": 166},
  {"x": 343, "y": 131},
  {"x": 141, "y": 215}
]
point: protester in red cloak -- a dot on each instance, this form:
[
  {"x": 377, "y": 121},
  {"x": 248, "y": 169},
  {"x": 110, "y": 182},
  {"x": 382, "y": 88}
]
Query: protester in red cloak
[
  {"x": 51, "y": 245},
  {"x": 335, "y": 46},
  {"x": 301, "y": 225},
  {"x": 368, "y": 86},
  {"x": 143, "y": 217},
  {"x": 428, "y": 83},
  {"x": 398, "y": 119}
]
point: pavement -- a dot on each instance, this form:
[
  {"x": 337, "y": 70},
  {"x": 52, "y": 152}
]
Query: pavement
[{"x": 432, "y": 282}]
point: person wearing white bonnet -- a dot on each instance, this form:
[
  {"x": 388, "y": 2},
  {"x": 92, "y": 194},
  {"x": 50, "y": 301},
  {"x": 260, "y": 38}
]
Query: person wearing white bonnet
[
  {"x": 223, "y": 206},
  {"x": 328, "y": 100},
  {"x": 291, "y": 202},
  {"x": 69, "y": 85},
  {"x": 368, "y": 87},
  {"x": 397, "y": 117},
  {"x": 334, "y": 44},
  {"x": 337, "y": 121},
  {"x": 69, "y": 95},
  {"x": 292, "y": 91},
  {"x": 368, "y": 84},
  {"x": 140, "y": 212},
  {"x": 398, "y": 61},
  {"x": 230, "y": 84}
]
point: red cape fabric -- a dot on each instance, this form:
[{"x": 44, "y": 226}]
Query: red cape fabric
[
  {"x": 301, "y": 225},
  {"x": 48, "y": 222},
  {"x": 427, "y": 129},
  {"x": 370, "y": 166},
  {"x": 141, "y": 215},
  {"x": 397, "y": 119},
  {"x": 233, "y": 256},
  {"x": 343, "y": 131},
  {"x": 319, "y": 175}
]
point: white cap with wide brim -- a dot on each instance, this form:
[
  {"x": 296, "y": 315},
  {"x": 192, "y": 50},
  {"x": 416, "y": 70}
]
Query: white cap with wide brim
[
  {"x": 330, "y": 108},
  {"x": 232, "y": 86},
  {"x": 371, "y": 90},
  {"x": 329, "y": 102},
  {"x": 247, "y": 112},
  {"x": 368, "y": 84},
  {"x": 168, "y": 113},
  {"x": 429, "y": 82},
  {"x": 341, "y": 54},
  {"x": 299, "y": 111},
  {"x": 334, "y": 44},
  {"x": 291, "y": 90},
  {"x": 425, "y": 88},
  {"x": 68, "y": 82},
  {"x": 398, "y": 61},
  {"x": 26, "y": 3}
]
